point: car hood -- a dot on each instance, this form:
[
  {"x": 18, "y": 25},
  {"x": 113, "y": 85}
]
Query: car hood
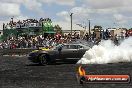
[{"x": 43, "y": 49}]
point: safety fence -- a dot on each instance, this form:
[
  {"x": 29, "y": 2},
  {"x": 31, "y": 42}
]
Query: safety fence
[{"x": 15, "y": 51}]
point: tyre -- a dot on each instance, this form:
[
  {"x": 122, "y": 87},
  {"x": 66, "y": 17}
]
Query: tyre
[{"x": 43, "y": 59}]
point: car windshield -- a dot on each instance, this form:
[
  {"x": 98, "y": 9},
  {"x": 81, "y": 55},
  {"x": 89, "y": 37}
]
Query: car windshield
[
  {"x": 57, "y": 47},
  {"x": 73, "y": 46},
  {"x": 62, "y": 46}
]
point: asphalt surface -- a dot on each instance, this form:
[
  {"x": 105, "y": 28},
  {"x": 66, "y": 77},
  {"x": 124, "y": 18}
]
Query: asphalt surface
[{"x": 18, "y": 72}]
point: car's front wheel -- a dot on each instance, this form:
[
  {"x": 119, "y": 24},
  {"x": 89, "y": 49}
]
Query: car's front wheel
[{"x": 43, "y": 59}]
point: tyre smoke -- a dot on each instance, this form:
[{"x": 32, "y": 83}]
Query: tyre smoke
[{"x": 108, "y": 52}]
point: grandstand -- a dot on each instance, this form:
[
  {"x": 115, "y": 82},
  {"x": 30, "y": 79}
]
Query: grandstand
[{"x": 28, "y": 27}]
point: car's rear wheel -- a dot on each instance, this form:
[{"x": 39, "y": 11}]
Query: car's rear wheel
[{"x": 43, "y": 59}]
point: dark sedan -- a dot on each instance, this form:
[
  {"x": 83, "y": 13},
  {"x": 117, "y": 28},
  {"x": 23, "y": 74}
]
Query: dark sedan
[{"x": 62, "y": 52}]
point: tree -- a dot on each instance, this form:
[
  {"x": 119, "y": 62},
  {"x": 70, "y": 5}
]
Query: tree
[
  {"x": 58, "y": 29},
  {"x": 97, "y": 28}
]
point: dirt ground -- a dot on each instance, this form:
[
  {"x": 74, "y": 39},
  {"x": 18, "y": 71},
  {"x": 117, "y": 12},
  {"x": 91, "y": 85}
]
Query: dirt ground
[{"x": 18, "y": 72}]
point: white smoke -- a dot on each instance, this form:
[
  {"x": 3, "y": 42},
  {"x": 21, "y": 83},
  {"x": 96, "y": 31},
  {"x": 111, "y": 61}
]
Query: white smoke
[{"x": 108, "y": 52}]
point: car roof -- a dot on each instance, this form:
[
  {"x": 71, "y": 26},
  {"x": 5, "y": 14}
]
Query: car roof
[
  {"x": 77, "y": 44},
  {"x": 72, "y": 44}
]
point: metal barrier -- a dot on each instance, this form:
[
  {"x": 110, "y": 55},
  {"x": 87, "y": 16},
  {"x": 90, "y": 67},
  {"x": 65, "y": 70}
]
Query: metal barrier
[{"x": 15, "y": 51}]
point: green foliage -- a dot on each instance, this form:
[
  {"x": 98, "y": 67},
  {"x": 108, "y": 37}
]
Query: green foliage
[
  {"x": 58, "y": 29},
  {"x": 97, "y": 28}
]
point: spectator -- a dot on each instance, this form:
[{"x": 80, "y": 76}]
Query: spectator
[{"x": 107, "y": 34}]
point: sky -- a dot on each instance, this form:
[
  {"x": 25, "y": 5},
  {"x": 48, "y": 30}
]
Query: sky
[{"x": 106, "y": 13}]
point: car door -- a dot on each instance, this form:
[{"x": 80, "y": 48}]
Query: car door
[
  {"x": 81, "y": 51},
  {"x": 64, "y": 52},
  {"x": 69, "y": 51},
  {"x": 73, "y": 49}
]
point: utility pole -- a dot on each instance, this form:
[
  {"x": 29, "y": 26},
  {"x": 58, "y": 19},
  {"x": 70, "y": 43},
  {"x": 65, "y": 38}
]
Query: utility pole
[
  {"x": 12, "y": 20},
  {"x": 89, "y": 28},
  {"x": 71, "y": 23}
]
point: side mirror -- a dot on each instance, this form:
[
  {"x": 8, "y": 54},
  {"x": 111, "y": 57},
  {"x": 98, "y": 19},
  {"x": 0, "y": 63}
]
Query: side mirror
[{"x": 81, "y": 48}]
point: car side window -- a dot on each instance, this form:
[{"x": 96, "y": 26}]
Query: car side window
[
  {"x": 57, "y": 47},
  {"x": 73, "y": 47},
  {"x": 65, "y": 47}
]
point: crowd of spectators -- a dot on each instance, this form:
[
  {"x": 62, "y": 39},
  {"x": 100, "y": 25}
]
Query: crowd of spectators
[
  {"x": 36, "y": 41},
  {"x": 26, "y": 23},
  {"x": 105, "y": 35},
  {"x": 50, "y": 41}
]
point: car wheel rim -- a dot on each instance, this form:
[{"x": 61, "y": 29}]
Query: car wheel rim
[{"x": 43, "y": 60}]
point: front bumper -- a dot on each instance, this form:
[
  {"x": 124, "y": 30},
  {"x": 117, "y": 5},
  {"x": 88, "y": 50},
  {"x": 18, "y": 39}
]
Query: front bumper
[{"x": 33, "y": 57}]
